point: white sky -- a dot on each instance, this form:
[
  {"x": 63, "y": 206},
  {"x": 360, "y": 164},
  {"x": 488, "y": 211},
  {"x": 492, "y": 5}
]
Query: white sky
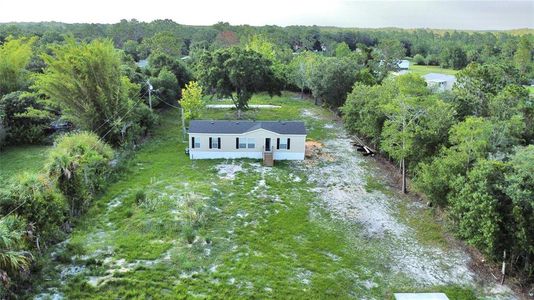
[{"x": 480, "y": 14}]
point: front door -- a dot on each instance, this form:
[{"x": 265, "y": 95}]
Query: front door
[{"x": 267, "y": 144}]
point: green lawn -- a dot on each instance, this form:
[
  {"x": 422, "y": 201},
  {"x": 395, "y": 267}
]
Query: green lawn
[
  {"x": 14, "y": 160},
  {"x": 203, "y": 233},
  {"x": 530, "y": 89},
  {"x": 423, "y": 70}
]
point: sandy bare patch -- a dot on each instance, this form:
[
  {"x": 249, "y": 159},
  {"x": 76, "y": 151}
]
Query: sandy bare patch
[
  {"x": 340, "y": 182},
  {"x": 228, "y": 171},
  {"x": 310, "y": 114}
]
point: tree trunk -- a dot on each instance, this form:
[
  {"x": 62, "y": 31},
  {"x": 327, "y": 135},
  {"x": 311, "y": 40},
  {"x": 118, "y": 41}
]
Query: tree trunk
[
  {"x": 302, "y": 93},
  {"x": 403, "y": 165}
]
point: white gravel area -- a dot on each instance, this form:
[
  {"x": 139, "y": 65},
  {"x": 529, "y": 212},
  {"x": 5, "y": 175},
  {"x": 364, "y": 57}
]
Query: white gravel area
[{"x": 341, "y": 188}]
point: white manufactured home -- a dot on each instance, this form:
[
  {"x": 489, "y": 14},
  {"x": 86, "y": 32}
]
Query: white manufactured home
[
  {"x": 440, "y": 82},
  {"x": 274, "y": 140}
]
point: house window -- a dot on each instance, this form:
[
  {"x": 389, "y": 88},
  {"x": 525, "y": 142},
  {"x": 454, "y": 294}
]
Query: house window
[
  {"x": 215, "y": 143},
  {"x": 251, "y": 143},
  {"x": 195, "y": 142},
  {"x": 244, "y": 143},
  {"x": 283, "y": 143}
]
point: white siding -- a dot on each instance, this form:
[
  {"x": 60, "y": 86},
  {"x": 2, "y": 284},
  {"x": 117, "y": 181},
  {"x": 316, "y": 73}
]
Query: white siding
[{"x": 229, "y": 150}]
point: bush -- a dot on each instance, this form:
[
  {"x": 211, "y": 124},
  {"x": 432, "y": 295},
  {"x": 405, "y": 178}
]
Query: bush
[
  {"x": 432, "y": 60},
  {"x": 80, "y": 164},
  {"x": 37, "y": 200},
  {"x": 419, "y": 59},
  {"x": 23, "y": 118}
]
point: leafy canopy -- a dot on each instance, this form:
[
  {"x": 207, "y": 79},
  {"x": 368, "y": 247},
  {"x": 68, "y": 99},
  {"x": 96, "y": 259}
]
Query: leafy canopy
[
  {"x": 235, "y": 70},
  {"x": 15, "y": 54},
  {"x": 191, "y": 101},
  {"x": 85, "y": 80}
]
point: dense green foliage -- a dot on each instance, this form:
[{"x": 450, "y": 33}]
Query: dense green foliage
[
  {"x": 24, "y": 118},
  {"x": 48, "y": 202},
  {"x": 463, "y": 148},
  {"x": 81, "y": 165},
  {"x": 15, "y": 55},
  {"x": 192, "y": 103},
  {"x": 85, "y": 80}
]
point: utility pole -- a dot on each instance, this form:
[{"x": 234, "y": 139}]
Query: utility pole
[
  {"x": 183, "y": 124},
  {"x": 150, "y": 88}
]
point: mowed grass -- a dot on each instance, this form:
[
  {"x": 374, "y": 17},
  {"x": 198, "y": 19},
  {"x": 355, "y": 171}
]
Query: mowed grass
[
  {"x": 423, "y": 70},
  {"x": 14, "y": 160},
  {"x": 201, "y": 234}
]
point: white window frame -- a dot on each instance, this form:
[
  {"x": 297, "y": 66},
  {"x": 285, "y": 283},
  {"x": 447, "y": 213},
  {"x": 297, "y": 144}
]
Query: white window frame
[
  {"x": 197, "y": 142},
  {"x": 242, "y": 143},
  {"x": 283, "y": 146},
  {"x": 214, "y": 142}
]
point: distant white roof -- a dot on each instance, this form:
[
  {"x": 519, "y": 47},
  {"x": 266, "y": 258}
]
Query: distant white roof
[
  {"x": 404, "y": 64},
  {"x": 420, "y": 296},
  {"x": 143, "y": 63},
  {"x": 439, "y": 77}
]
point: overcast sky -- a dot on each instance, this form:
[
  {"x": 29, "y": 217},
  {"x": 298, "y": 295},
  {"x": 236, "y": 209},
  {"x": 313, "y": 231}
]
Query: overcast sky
[{"x": 481, "y": 14}]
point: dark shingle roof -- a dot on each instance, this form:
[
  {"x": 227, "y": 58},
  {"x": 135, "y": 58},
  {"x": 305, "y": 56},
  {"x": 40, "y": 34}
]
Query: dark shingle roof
[{"x": 238, "y": 127}]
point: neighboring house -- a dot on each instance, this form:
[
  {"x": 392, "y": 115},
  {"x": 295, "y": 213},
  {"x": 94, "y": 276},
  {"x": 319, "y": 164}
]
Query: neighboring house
[
  {"x": 274, "y": 140},
  {"x": 440, "y": 82},
  {"x": 403, "y": 64},
  {"x": 143, "y": 63}
]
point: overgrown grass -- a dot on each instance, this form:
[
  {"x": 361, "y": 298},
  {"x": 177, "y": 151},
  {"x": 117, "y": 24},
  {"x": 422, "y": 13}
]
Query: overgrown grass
[
  {"x": 194, "y": 234},
  {"x": 14, "y": 160}
]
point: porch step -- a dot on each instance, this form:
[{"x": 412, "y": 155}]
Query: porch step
[{"x": 268, "y": 159}]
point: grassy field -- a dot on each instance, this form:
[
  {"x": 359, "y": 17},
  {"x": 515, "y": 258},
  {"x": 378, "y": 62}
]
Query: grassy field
[
  {"x": 172, "y": 228},
  {"x": 530, "y": 89},
  {"x": 14, "y": 160},
  {"x": 423, "y": 70}
]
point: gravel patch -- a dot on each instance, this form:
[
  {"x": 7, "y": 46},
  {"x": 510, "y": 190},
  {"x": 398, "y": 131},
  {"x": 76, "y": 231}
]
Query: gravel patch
[{"x": 341, "y": 186}]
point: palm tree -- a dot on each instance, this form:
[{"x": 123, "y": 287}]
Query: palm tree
[{"x": 12, "y": 258}]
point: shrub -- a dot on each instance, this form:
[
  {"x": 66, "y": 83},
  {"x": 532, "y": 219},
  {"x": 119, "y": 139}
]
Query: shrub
[
  {"x": 432, "y": 60},
  {"x": 13, "y": 258},
  {"x": 419, "y": 59},
  {"x": 23, "y": 118},
  {"x": 80, "y": 164},
  {"x": 36, "y": 199}
]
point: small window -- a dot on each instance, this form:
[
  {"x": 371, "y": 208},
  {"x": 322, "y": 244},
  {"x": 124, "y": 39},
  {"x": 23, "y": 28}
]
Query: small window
[
  {"x": 195, "y": 142},
  {"x": 283, "y": 144},
  {"x": 214, "y": 143},
  {"x": 251, "y": 143}
]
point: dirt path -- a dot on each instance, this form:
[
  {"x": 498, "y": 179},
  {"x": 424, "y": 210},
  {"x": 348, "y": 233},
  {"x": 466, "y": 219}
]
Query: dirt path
[{"x": 340, "y": 173}]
